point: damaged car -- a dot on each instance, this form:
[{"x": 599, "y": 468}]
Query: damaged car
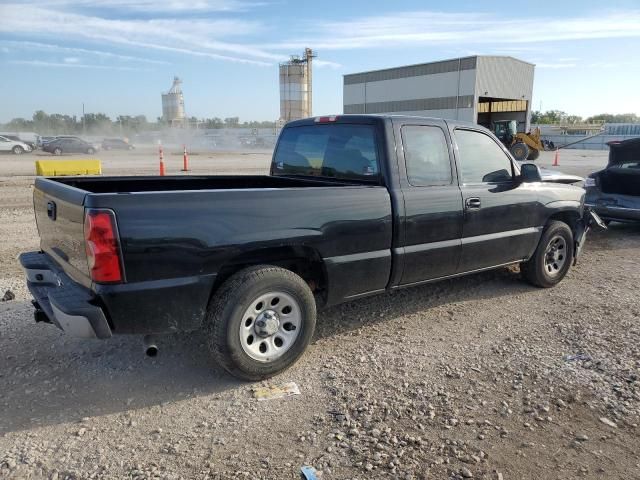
[{"x": 614, "y": 193}]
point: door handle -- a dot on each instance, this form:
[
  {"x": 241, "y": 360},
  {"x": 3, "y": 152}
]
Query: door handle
[
  {"x": 51, "y": 210},
  {"x": 472, "y": 203}
]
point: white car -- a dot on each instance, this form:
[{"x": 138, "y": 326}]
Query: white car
[{"x": 15, "y": 146}]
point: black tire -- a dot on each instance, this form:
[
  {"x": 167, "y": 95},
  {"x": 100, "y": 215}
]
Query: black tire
[
  {"x": 228, "y": 307},
  {"x": 57, "y": 151},
  {"x": 520, "y": 151},
  {"x": 90, "y": 151},
  {"x": 533, "y": 154},
  {"x": 17, "y": 150},
  {"x": 542, "y": 273}
]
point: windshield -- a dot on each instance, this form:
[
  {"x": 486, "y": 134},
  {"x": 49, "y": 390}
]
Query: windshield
[{"x": 342, "y": 151}]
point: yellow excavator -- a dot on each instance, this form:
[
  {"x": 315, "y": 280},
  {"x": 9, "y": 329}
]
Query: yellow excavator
[{"x": 523, "y": 146}]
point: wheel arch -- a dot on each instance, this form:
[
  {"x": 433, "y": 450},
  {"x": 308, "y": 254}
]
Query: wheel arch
[
  {"x": 569, "y": 216},
  {"x": 302, "y": 260}
]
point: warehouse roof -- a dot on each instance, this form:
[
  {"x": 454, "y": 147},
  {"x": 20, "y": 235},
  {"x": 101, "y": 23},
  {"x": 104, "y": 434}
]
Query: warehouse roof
[{"x": 440, "y": 66}]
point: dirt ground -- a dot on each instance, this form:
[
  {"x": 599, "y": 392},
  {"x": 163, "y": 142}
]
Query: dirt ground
[{"x": 478, "y": 377}]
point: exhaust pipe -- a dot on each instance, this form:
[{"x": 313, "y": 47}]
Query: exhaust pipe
[{"x": 150, "y": 347}]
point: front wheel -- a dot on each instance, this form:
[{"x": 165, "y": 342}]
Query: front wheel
[
  {"x": 533, "y": 154},
  {"x": 17, "y": 150},
  {"x": 552, "y": 259},
  {"x": 90, "y": 151},
  {"x": 520, "y": 151},
  {"x": 260, "y": 322},
  {"x": 57, "y": 151}
]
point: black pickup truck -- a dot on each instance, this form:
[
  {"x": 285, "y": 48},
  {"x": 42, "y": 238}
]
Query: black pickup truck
[{"x": 355, "y": 205}]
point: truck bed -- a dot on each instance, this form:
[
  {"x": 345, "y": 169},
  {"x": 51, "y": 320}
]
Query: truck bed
[
  {"x": 177, "y": 233},
  {"x": 190, "y": 183}
]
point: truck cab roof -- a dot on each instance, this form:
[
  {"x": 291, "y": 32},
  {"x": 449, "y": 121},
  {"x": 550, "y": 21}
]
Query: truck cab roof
[{"x": 375, "y": 118}]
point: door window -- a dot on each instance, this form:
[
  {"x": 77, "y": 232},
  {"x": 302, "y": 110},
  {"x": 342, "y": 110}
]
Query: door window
[
  {"x": 426, "y": 155},
  {"x": 481, "y": 159}
]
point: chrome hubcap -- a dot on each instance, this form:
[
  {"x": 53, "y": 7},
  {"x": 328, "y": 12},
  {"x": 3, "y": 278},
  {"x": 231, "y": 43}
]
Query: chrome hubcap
[
  {"x": 267, "y": 323},
  {"x": 270, "y": 326},
  {"x": 555, "y": 255}
]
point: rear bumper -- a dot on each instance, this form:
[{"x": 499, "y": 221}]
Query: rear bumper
[
  {"x": 613, "y": 206},
  {"x": 66, "y": 304},
  {"x": 611, "y": 212}
]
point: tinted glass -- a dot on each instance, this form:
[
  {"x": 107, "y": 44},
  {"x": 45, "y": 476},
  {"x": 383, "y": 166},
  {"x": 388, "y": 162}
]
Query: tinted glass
[
  {"x": 328, "y": 150},
  {"x": 426, "y": 155},
  {"x": 481, "y": 159}
]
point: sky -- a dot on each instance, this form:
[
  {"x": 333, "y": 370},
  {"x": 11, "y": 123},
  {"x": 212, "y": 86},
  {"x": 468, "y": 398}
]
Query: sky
[{"x": 118, "y": 56}]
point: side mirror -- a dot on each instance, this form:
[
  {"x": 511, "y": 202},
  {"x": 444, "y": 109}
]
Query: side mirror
[{"x": 530, "y": 172}]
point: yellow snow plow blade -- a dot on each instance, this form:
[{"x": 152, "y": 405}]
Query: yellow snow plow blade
[{"x": 56, "y": 168}]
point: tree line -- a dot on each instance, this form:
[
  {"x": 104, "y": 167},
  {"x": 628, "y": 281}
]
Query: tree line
[
  {"x": 560, "y": 117},
  {"x": 100, "y": 123}
]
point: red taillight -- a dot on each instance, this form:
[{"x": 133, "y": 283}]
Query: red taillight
[
  {"x": 332, "y": 118},
  {"x": 101, "y": 244}
]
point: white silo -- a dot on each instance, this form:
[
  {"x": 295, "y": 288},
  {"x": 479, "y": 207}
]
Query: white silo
[
  {"x": 173, "y": 104},
  {"x": 295, "y": 87}
]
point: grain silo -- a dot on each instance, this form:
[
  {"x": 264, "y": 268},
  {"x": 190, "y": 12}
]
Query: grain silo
[
  {"x": 173, "y": 105},
  {"x": 295, "y": 87}
]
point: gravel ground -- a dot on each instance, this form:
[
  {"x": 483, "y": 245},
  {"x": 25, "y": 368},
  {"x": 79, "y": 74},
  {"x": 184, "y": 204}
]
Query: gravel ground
[{"x": 479, "y": 377}]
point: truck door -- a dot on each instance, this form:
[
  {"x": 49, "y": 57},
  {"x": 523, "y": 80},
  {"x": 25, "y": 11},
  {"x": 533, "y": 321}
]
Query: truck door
[
  {"x": 433, "y": 205},
  {"x": 499, "y": 211}
]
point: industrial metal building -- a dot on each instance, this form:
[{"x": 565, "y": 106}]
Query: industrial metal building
[{"x": 479, "y": 89}]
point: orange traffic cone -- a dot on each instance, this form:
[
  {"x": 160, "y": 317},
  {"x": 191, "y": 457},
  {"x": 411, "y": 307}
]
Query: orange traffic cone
[
  {"x": 556, "y": 159},
  {"x": 185, "y": 160},
  {"x": 161, "y": 160}
]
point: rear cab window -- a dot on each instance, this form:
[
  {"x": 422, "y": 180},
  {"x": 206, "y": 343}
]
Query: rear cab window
[
  {"x": 426, "y": 155},
  {"x": 339, "y": 151}
]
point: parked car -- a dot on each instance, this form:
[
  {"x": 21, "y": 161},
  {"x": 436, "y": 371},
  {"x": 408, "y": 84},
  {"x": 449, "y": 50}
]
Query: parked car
[
  {"x": 116, "y": 144},
  {"x": 354, "y": 205},
  {"x": 30, "y": 138},
  {"x": 68, "y": 145},
  {"x": 614, "y": 193},
  {"x": 14, "y": 146}
]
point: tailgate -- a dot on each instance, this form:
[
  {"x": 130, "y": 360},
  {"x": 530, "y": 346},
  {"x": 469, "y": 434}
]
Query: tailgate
[{"x": 59, "y": 211}]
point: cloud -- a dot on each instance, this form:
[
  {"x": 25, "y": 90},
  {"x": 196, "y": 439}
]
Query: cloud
[
  {"x": 169, "y": 6},
  {"x": 191, "y": 37},
  {"x": 71, "y": 60},
  {"x": 79, "y": 51},
  {"x": 607, "y": 64},
  {"x": 556, "y": 65},
  {"x": 326, "y": 64},
  {"x": 437, "y": 28},
  {"x": 40, "y": 63}
]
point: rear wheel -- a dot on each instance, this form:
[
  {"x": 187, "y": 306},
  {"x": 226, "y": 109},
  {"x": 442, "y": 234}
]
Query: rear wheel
[
  {"x": 260, "y": 322},
  {"x": 533, "y": 154},
  {"x": 90, "y": 151},
  {"x": 520, "y": 151},
  {"x": 17, "y": 150},
  {"x": 552, "y": 259},
  {"x": 57, "y": 151}
]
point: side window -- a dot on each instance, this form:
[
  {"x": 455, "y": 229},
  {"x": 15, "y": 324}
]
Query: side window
[
  {"x": 481, "y": 159},
  {"x": 426, "y": 155}
]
